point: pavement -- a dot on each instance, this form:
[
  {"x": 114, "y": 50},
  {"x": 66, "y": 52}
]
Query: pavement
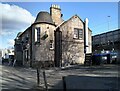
[{"x": 104, "y": 77}]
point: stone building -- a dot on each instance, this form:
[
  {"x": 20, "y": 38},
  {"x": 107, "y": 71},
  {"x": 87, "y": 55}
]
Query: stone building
[{"x": 51, "y": 39}]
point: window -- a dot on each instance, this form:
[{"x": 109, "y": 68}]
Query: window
[
  {"x": 26, "y": 54},
  {"x": 27, "y": 38},
  {"x": 51, "y": 44},
  {"x": 37, "y": 34},
  {"x": 78, "y": 33}
]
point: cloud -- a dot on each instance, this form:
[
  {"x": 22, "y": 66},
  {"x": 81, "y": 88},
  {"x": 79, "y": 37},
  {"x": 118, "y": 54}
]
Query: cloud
[
  {"x": 14, "y": 19},
  {"x": 11, "y": 42}
]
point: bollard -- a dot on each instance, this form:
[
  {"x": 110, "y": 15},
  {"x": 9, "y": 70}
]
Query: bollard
[{"x": 38, "y": 76}]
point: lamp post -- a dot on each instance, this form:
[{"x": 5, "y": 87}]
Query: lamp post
[{"x": 108, "y": 22}]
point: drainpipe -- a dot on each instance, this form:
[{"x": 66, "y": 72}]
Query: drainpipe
[
  {"x": 85, "y": 38},
  {"x": 86, "y": 35}
]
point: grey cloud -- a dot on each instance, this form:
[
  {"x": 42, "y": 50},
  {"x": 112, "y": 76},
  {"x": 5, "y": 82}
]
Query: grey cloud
[{"x": 14, "y": 19}]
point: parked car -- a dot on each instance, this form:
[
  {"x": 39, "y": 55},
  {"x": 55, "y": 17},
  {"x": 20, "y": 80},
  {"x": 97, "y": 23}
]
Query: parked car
[{"x": 8, "y": 60}]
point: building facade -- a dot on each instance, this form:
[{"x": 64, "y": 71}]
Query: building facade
[
  {"x": 107, "y": 43},
  {"x": 51, "y": 39}
]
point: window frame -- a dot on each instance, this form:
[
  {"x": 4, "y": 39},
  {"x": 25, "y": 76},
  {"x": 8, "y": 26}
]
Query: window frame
[
  {"x": 51, "y": 45},
  {"x": 78, "y": 33},
  {"x": 37, "y": 34}
]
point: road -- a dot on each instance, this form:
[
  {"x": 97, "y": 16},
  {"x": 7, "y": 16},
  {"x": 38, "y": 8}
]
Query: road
[{"x": 76, "y": 77}]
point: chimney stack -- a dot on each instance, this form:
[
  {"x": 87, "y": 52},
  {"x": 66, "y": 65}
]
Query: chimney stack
[{"x": 55, "y": 13}]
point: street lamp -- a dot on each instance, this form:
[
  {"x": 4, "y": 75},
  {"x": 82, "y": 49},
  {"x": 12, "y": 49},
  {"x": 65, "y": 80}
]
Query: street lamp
[{"x": 108, "y": 22}]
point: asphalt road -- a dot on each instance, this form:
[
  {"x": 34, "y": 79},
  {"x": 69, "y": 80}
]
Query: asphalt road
[{"x": 76, "y": 77}]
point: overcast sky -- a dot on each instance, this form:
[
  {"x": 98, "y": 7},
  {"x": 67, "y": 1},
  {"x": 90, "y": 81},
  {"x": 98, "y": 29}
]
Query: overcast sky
[{"x": 16, "y": 17}]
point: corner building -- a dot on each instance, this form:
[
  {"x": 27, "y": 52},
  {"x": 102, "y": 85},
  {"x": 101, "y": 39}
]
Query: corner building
[{"x": 51, "y": 40}]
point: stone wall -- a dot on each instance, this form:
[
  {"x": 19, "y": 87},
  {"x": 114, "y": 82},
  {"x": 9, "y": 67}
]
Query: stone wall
[
  {"x": 27, "y": 47},
  {"x": 90, "y": 41},
  {"x": 72, "y": 49},
  {"x": 55, "y": 13},
  {"x": 42, "y": 51}
]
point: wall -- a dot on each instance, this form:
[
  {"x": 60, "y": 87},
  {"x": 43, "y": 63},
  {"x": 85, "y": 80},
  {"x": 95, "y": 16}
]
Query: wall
[
  {"x": 26, "y": 47},
  {"x": 89, "y": 41},
  {"x": 72, "y": 49},
  {"x": 42, "y": 52},
  {"x": 22, "y": 46}
]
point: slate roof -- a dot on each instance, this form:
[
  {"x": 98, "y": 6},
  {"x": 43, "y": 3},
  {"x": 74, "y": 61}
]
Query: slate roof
[{"x": 45, "y": 17}]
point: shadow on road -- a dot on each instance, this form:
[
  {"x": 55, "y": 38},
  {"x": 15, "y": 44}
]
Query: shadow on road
[
  {"x": 20, "y": 79},
  {"x": 87, "y": 83}
]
